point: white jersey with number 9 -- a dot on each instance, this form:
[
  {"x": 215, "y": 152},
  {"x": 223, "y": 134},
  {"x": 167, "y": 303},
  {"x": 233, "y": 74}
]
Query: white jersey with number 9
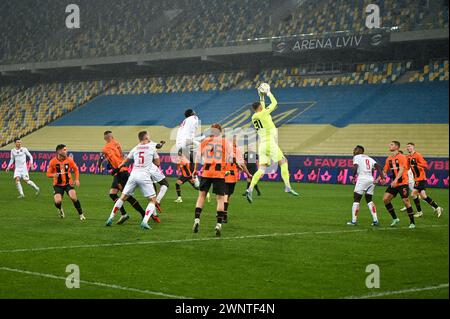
[{"x": 366, "y": 165}]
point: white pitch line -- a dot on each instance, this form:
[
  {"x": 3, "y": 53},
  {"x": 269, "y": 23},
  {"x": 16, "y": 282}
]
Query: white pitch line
[
  {"x": 398, "y": 292},
  {"x": 175, "y": 241},
  {"x": 99, "y": 284}
]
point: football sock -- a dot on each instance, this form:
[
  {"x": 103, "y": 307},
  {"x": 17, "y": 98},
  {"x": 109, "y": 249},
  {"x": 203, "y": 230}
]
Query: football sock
[
  {"x": 285, "y": 174},
  {"x": 373, "y": 211},
  {"x": 115, "y": 197},
  {"x": 220, "y": 216},
  {"x": 148, "y": 212},
  {"x": 58, "y": 205},
  {"x": 355, "y": 211},
  {"x": 77, "y": 205},
  {"x": 162, "y": 192},
  {"x": 391, "y": 210},
  {"x": 255, "y": 178},
  {"x": 225, "y": 206},
  {"x": 198, "y": 212},
  {"x": 116, "y": 207},
  {"x": 19, "y": 188},
  {"x": 178, "y": 189},
  {"x": 410, "y": 214},
  {"x": 431, "y": 202},
  {"x": 133, "y": 202},
  {"x": 32, "y": 184},
  {"x": 417, "y": 203}
]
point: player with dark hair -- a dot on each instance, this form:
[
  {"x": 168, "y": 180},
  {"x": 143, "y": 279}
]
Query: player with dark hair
[
  {"x": 363, "y": 167},
  {"x": 397, "y": 166},
  {"x": 112, "y": 152},
  {"x": 19, "y": 155},
  {"x": 59, "y": 169},
  {"x": 418, "y": 165}
]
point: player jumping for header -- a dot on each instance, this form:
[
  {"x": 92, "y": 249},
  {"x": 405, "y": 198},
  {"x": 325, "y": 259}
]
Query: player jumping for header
[
  {"x": 268, "y": 146},
  {"x": 19, "y": 156}
]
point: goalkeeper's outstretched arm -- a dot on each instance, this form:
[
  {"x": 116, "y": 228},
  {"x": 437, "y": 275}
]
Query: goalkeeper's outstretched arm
[{"x": 273, "y": 102}]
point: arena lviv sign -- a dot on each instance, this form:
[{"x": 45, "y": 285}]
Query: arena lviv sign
[
  {"x": 286, "y": 112},
  {"x": 301, "y": 44}
]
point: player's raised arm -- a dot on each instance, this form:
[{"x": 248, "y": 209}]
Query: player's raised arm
[{"x": 273, "y": 102}]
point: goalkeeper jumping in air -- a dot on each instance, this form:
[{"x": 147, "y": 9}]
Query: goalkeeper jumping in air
[{"x": 268, "y": 136}]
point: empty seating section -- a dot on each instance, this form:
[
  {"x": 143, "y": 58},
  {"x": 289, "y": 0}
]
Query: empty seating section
[
  {"x": 121, "y": 27},
  {"x": 183, "y": 83},
  {"x": 434, "y": 71},
  {"x": 36, "y": 106},
  {"x": 349, "y": 15},
  {"x": 370, "y": 73}
]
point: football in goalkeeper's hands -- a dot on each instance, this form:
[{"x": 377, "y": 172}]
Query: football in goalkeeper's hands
[{"x": 264, "y": 88}]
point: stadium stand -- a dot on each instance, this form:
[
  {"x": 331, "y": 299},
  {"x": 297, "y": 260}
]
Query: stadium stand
[
  {"x": 24, "y": 111},
  {"x": 114, "y": 27},
  {"x": 434, "y": 71}
]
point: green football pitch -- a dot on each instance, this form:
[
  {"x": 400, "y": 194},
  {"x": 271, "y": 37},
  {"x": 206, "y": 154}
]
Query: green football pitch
[{"x": 278, "y": 247}]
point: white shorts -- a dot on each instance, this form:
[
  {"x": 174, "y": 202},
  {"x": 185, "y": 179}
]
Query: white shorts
[
  {"x": 21, "y": 173},
  {"x": 364, "y": 186},
  {"x": 141, "y": 180},
  {"x": 156, "y": 175}
]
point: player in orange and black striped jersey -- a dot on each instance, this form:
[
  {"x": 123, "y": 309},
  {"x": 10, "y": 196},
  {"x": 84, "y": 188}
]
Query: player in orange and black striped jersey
[
  {"x": 112, "y": 152},
  {"x": 184, "y": 165},
  {"x": 59, "y": 169},
  {"x": 418, "y": 165},
  {"x": 213, "y": 154},
  {"x": 235, "y": 164},
  {"x": 397, "y": 168}
]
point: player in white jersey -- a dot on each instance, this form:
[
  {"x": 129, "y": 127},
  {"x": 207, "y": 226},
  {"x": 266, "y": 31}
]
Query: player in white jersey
[
  {"x": 19, "y": 156},
  {"x": 158, "y": 176},
  {"x": 140, "y": 176},
  {"x": 188, "y": 141},
  {"x": 363, "y": 167}
]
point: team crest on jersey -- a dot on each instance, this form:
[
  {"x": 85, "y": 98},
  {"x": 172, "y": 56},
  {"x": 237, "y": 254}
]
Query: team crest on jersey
[{"x": 286, "y": 113}]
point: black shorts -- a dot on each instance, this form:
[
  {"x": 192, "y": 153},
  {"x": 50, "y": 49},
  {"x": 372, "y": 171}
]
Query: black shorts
[
  {"x": 402, "y": 190},
  {"x": 252, "y": 168},
  {"x": 120, "y": 179},
  {"x": 218, "y": 184},
  {"x": 420, "y": 185},
  {"x": 184, "y": 179},
  {"x": 62, "y": 189},
  {"x": 230, "y": 188}
]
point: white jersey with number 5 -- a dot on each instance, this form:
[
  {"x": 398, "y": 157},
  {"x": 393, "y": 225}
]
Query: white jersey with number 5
[
  {"x": 143, "y": 155},
  {"x": 366, "y": 165}
]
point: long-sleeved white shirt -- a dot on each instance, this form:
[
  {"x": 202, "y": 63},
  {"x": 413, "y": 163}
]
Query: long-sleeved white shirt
[{"x": 19, "y": 158}]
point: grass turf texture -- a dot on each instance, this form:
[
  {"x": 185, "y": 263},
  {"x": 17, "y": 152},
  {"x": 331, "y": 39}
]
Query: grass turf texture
[{"x": 325, "y": 258}]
